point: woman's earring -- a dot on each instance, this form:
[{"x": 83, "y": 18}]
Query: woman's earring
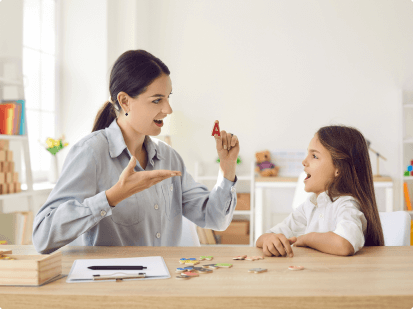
[{"x": 126, "y": 114}]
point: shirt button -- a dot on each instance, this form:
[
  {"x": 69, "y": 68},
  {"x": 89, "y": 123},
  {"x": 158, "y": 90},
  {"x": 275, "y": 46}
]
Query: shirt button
[
  {"x": 158, "y": 235},
  {"x": 232, "y": 189},
  {"x": 172, "y": 187},
  {"x": 103, "y": 213},
  {"x": 156, "y": 206},
  {"x": 321, "y": 216}
]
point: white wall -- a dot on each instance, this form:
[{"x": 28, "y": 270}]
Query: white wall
[
  {"x": 83, "y": 67},
  {"x": 127, "y": 24},
  {"x": 93, "y": 35},
  {"x": 11, "y": 28},
  {"x": 272, "y": 72}
]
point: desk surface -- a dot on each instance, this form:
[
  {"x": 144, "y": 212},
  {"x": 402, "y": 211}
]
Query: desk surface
[{"x": 376, "y": 277}]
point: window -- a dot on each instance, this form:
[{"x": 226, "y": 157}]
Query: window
[{"x": 39, "y": 71}]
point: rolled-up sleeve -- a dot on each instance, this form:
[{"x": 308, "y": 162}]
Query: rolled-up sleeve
[
  {"x": 209, "y": 209},
  {"x": 74, "y": 206},
  {"x": 294, "y": 225},
  {"x": 351, "y": 224}
]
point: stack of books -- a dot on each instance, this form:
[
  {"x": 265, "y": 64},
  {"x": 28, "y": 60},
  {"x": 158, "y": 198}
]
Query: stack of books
[{"x": 12, "y": 115}]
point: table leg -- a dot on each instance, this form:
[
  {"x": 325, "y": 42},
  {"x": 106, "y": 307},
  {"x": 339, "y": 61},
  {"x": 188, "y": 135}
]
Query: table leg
[{"x": 258, "y": 212}]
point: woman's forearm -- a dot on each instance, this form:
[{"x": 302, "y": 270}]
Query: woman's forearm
[
  {"x": 329, "y": 243},
  {"x": 115, "y": 195},
  {"x": 228, "y": 170}
]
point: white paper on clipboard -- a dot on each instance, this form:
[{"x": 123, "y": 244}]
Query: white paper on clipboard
[{"x": 156, "y": 268}]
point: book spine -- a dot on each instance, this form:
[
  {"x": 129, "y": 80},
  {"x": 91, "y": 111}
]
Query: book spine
[
  {"x": 10, "y": 117},
  {"x": 22, "y": 130}
]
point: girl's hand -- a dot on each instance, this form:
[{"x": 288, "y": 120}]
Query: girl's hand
[
  {"x": 298, "y": 241},
  {"x": 228, "y": 149},
  {"x": 276, "y": 244}
]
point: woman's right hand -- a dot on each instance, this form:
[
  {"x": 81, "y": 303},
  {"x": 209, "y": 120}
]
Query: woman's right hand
[
  {"x": 275, "y": 244},
  {"x": 131, "y": 182},
  {"x": 134, "y": 182}
]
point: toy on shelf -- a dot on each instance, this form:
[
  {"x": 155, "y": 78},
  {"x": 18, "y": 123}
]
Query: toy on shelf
[
  {"x": 264, "y": 166},
  {"x": 409, "y": 170}
]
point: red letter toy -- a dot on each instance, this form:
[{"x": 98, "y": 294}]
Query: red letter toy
[{"x": 215, "y": 129}]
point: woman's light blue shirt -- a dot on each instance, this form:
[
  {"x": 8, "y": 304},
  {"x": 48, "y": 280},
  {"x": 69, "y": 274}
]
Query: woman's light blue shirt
[{"x": 77, "y": 206}]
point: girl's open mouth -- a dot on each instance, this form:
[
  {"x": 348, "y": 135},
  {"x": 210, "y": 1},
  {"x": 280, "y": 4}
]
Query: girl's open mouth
[{"x": 308, "y": 176}]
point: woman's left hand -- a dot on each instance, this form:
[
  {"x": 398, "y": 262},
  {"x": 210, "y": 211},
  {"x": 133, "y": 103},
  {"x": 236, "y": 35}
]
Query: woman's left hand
[{"x": 228, "y": 149}]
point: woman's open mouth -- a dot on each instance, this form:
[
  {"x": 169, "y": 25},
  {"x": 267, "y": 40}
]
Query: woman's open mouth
[
  {"x": 159, "y": 123},
  {"x": 308, "y": 176}
]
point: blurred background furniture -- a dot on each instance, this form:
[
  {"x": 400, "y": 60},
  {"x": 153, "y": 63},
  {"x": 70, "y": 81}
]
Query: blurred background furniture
[{"x": 396, "y": 228}]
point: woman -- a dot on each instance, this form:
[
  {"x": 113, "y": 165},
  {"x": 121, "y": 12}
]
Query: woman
[{"x": 120, "y": 187}]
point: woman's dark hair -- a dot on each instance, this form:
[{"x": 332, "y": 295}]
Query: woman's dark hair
[
  {"x": 132, "y": 73},
  {"x": 349, "y": 151}
]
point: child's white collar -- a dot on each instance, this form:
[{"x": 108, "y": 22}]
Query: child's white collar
[{"x": 322, "y": 200}]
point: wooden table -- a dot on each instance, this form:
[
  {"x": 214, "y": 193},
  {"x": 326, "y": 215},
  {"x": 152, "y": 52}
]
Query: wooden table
[{"x": 376, "y": 277}]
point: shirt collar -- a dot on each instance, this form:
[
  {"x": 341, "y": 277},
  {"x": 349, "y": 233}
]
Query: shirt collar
[
  {"x": 322, "y": 200},
  {"x": 117, "y": 143}
]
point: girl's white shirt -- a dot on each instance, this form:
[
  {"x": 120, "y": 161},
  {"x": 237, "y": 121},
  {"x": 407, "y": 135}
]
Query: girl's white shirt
[{"x": 319, "y": 214}]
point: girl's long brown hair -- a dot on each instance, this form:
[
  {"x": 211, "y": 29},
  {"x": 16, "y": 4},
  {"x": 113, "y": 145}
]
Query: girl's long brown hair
[{"x": 349, "y": 151}]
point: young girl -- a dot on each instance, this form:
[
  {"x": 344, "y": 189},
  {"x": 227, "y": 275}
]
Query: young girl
[{"x": 341, "y": 216}]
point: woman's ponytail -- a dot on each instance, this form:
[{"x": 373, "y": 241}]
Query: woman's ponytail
[{"x": 104, "y": 117}]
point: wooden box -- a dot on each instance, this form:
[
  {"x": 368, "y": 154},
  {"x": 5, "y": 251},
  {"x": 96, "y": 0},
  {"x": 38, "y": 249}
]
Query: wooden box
[
  {"x": 237, "y": 227},
  {"x": 4, "y": 144},
  {"x": 29, "y": 269},
  {"x": 243, "y": 201},
  {"x": 235, "y": 239}
]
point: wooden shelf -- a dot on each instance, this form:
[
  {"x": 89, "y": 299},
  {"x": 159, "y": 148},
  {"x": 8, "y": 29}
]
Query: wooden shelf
[
  {"x": 242, "y": 212},
  {"x": 23, "y": 140},
  {"x": 13, "y": 137},
  {"x": 40, "y": 188}
]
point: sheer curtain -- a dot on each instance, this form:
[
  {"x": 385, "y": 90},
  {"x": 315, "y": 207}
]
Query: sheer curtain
[{"x": 39, "y": 71}]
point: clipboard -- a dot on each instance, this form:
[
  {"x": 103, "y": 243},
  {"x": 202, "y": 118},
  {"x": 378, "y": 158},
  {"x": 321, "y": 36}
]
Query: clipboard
[{"x": 156, "y": 269}]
